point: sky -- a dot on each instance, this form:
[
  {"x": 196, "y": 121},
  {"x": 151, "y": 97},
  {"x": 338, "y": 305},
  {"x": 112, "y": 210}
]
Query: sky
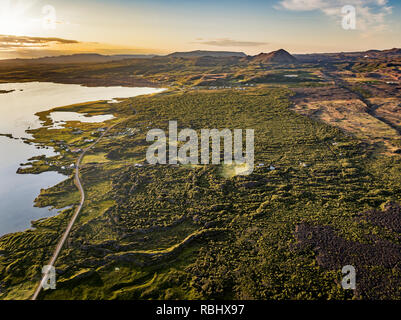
[{"x": 34, "y": 28}]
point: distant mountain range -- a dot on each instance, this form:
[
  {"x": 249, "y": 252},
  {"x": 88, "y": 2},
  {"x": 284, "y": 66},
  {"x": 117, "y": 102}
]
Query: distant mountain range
[
  {"x": 339, "y": 56},
  {"x": 203, "y": 53},
  {"x": 77, "y": 58},
  {"x": 99, "y": 58},
  {"x": 209, "y": 57}
]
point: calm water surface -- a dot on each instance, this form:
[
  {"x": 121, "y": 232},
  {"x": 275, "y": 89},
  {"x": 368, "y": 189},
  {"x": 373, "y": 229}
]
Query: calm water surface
[{"x": 18, "y": 108}]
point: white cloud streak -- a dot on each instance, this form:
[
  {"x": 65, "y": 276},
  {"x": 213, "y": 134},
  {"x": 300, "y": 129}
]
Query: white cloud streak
[{"x": 371, "y": 14}]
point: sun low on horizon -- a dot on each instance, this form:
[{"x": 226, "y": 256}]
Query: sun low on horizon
[
  {"x": 14, "y": 18},
  {"x": 33, "y": 28}
]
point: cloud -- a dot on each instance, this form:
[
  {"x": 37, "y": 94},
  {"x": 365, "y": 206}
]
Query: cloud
[
  {"x": 371, "y": 14},
  {"x": 8, "y": 42},
  {"x": 231, "y": 43},
  {"x": 302, "y": 5},
  {"x": 35, "y": 47}
]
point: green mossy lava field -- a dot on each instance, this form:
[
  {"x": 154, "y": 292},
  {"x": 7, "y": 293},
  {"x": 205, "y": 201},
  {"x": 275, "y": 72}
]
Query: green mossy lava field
[{"x": 194, "y": 232}]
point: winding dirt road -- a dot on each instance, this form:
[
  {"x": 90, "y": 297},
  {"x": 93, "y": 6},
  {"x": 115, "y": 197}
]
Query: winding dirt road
[{"x": 61, "y": 242}]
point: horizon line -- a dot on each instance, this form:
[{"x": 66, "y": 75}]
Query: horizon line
[{"x": 165, "y": 55}]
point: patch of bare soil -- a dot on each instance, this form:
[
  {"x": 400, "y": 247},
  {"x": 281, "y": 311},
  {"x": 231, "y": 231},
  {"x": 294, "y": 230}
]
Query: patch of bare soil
[
  {"x": 345, "y": 110},
  {"x": 389, "y": 109}
]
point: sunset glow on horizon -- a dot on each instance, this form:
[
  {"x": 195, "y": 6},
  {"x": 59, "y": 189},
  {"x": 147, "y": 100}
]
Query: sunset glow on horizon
[{"x": 43, "y": 28}]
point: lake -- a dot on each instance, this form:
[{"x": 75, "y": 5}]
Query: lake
[{"x": 18, "y": 108}]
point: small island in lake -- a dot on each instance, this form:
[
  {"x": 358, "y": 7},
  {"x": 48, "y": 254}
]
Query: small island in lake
[{"x": 6, "y": 91}]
